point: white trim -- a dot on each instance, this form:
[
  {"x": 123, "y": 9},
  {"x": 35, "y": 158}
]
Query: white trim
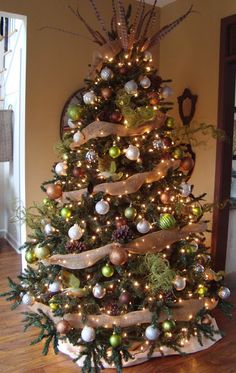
[{"x": 10, "y": 239}]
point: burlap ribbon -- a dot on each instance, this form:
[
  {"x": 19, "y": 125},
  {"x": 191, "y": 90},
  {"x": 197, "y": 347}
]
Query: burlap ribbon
[
  {"x": 150, "y": 243},
  {"x": 103, "y": 129}
]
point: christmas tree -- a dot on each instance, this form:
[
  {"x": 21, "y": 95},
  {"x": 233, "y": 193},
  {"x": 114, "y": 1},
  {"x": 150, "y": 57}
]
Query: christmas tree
[{"x": 118, "y": 269}]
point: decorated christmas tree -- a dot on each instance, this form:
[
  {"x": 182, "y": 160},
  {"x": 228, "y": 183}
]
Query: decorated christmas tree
[{"x": 118, "y": 269}]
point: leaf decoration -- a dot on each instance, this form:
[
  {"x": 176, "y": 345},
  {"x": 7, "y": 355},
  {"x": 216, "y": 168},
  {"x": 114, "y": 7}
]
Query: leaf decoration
[{"x": 70, "y": 280}]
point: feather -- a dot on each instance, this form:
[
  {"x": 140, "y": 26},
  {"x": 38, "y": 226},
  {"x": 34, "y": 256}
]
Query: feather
[
  {"x": 122, "y": 26},
  {"x": 135, "y": 24},
  {"x": 99, "y": 17},
  {"x": 139, "y": 25},
  {"x": 148, "y": 23}
]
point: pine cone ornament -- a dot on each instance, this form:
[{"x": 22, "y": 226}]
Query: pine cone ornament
[
  {"x": 112, "y": 308},
  {"x": 75, "y": 247},
  {"x": 123, "y": 234}
]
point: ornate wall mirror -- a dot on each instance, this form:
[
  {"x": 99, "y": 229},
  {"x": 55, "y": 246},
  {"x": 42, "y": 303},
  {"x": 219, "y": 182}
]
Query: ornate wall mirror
[{"x": 187, "y": 106}]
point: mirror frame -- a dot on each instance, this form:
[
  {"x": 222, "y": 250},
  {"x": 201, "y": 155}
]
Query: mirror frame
[{"x": 187, "y": 94}]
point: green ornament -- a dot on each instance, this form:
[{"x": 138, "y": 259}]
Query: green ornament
[
  {"x": 146, "y": 112},
  {"x": 41, "y": 252},
  {"x": 53, "y": 304},
  {"x": 178, "y": 153},
  {"x": 130, "y": 213},
  {"x": 30, "y": 256},
  {"x": 114, "y": 152},
  {"x": 107, "y": 270},
  {"x": 167, "y": 221},
  {"x": 115, "y": 340},
  {"x": 74, "y": 112},
  {"x": 168, "y": 325},
  {"x": 122, "y": 99},
  {"x": 201, "y": 291},
  {"x": 197, "y": 211},
  {"x": 65, "y": 213},
  {"x": 170, "y": 122},
  {"x": 190, "y": 248}
]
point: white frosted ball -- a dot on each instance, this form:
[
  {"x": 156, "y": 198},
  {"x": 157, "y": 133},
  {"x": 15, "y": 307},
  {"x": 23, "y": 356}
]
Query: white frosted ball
[
  {"x": 179, "y": 283},
  {"x": 28, "y": 299},
  {"x": 102, "y": 207},
  {"x": 48, "y": 229},
  {"x": 54, "y": 287},
  {"x": 89, "y": 98},
  {"x": 132, "y": 153},
  {"x": 61, "y": 169},
  {"x": 147, "y": 56},
  {"x": 185, "y": 189},
  {"x": 145, "y": 82},
  {"x": 99, "y": 291},
  {"x": 106, "y": 73},
  {"x": 75, "y": 232},
  {"x": 143, "y": 226},
  {"x": 88, "y": 334},
  {"x": 152, "y": 333},
  {"x": 224, "y": 292},
  {"x": 77, "y": 136},
  {"x": 71, "y": 124},
  {"x": 131, "y": 87},
  {"x": 166, "y": 91}
]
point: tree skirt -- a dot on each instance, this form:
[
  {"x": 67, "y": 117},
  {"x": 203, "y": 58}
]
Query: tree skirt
[{"x": 141, "y": 356}]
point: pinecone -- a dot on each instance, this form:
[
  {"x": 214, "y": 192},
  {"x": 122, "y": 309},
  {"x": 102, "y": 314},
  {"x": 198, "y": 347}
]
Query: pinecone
[
  {"x": 123, "y": 234},
  {"x": 75, "y": 247},
  {"x": 112, "y": 308}
]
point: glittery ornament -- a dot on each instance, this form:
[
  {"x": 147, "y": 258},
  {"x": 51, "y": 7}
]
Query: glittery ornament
[
  {"x": 131, "y": 87},
  {"x": 157, "y": 144},
  {"x": 106, "y": 73},
  {"x": 75, "y": 232},
  {"x": 61, "y": 169},
  {"x": 224, "y": 292},
  {"x": 152, "y": 333},
  {"x": 74, "y": 112},
  {"x": 55, "y": 286},
  {"x": 132, "y": 153},
  {"x": 143, "y": 226},
  {"x": 102, "y": 207},
  {"x": 198, "y": 269},
  {"x": 185, "y": 189},
  {"x": 28, "y": 299},
  {"x": 145, "y": 82},
  {"x": 88, "y": 334},
  {"x": 99, "y": 291},
  {"x": 91, "y": 156},
  {"x": 89, "y": 98}
]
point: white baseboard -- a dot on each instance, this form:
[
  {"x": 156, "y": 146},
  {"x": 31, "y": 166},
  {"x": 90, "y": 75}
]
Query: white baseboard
[{"x": 12, "y": 241}]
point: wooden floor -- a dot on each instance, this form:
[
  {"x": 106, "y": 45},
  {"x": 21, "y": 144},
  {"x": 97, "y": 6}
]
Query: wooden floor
[{"x": 16, "y": 356}]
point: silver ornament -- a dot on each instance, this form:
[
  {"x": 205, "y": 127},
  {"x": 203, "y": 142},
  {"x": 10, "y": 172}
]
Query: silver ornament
[
  {"x": 147, "y": 56},
  {"x": 54, "y": 287},
  {"x": 166, "y": 91},
  {"x": 91, "y": 156},
  {"x": 28, "y": 299},
  {"x": 71, "y": 124},
  {"x": 106, "y": 73},
  {"x": 75, "y": 232},
  {"x": 143, "y": 226},
  {"x": 102, "y": 207},
  {"x": 61, "y": 169},
  {"x": 152, "y": 333},
  {"x": 224, "y": 292},
  {"x": 48, "y": 229},
  {"x": 198, "y": 268},
  {"x": 131, "y": 87},
  {"x": 78, "y": 136},
  {"x": 89, "y": 98},
  {"x": 99, "y": 291},
  {"x": 179, "y": 283},
  {"x": 88, "y": 334},
  {"x": 132, "y": 153},
  {"x": 157, "y": 144},
  {"x": 145, "y": 82},
  {"x": 185, "y": 189}
]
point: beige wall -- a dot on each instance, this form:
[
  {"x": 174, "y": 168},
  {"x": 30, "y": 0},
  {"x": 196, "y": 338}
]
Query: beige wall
[{"x": 190, "y": 56}]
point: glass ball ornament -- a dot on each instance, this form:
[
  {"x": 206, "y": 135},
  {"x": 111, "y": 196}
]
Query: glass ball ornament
[
  {"x": 55, "y": 286},
  {"x": 115, "y": 340},
  {"x": 77, "y": 137},
  {"x": 185, "y": 189},
  {"x": 28, "y": 299},
  {"x": 167, "y": 221},
  {"x": 170, "y": 122},
  {"x": 131, "y": 87},
  {"x": 107, "y": 270},
  {"x": 63, "y": 327},
  {"x": 48, "y": 229},
  {"x": 130, "y": 213},
  {"x": 30, "y": 256},
  {"x": 53, "y": 304},
  {"x": 179, "y": 283},
  {"x": 196, "y": 211},
  {"x": 88, "y": 334},
  {"x": 89, "y": 98},
  {"x": 114, "y": 152},
  {"x": 99, "y": 291},
  {"x": 78, "y": 172},
  {"x": 178, "y": 153},
  {"x": 102, "y": 207},
  {"x": 118, "y": 256},
  {"x": 132, "y": 153},
  {"x": 145, "y": 82},
  {"x": 74, "y": 112},
  {"x": 71, "y": 124},
  {"x": 166, "y": 91},
  {"x": 165, "y": 198},
  {"x": 152, "y": 333},
  {"x": 106, "y": 73},
  {"x": 41, "y": 252},
  {"x": 201, "y": 291},
  {"x": 157, "y": 144},
  {"x": 168, "y": 325},
  {"x": 54, "y": 191},
  {"x": 147, "y": 56},
  {"x": 65, "y": 213},
  {"x": 91, "y": 156},
  {"x": 75, "y": 232},
  {"x": 61, "y": 168},
  {"x": 186, "y": 164},
  {"x": 143, "y": 226},
  {"x": 198, "y": 269},
  {"x": 125, "y": 297},
  {"x": 224, "y": 292}
]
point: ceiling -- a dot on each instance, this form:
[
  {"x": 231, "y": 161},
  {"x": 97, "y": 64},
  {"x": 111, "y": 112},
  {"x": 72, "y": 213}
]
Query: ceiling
[{"x": 160, "y": 3}]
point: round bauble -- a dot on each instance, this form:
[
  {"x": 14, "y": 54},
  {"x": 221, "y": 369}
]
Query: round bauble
[
  {"x": 201, "y": 291},
  {"x": 48, "y": 229},
  {"x": 41, "y": 252},
  {"x": 118, "y": 256},
  {"x": 91, "y": 156},
  {"x": 106, "y": 92},
  {"x": 74, "y": 112},
  {"x": 30, "y": 256},
  {"x": 165, "y": 198},
  {"x": 130, "y": 213},
  {"x": 178, "y": 153},
  {"x": 78, "y": 172},
  {"x": 65, "y": 213},
  {"x": 196, "y": 211},
  {"x": 115, "y": 340},
  {"x": 75, "y": 232},
  {"x": 179, "y": 283},
  {"x": 99, "y": 291},
  {"x": 152, "y": 333},
  {"x": 131, "y": 87},
  {"x": 185, "y": 189},
  {"x": 89, "y": 98},
  {"x": 166, "y": 91},
  {"x": 170, "y": 122},
  {"x": 106, "y": 73},
  {"x": 167, "y": 221},
  {"x": 224, "y": 292},
  {"x": 168, "y": 325},
  {"x": 186, "y": 164},
  {"x": 72, "y": 124},
  {"x": 63, "y": 327},
  {"x": 114, "y": 152},
  {"x": 157, "y": 144},
  {"x": 88, "y": 334},
  {"x": 61, "y": 169},
  {"x": 28, "y": 299},
  {"x": 102, "y": 207},
  {"x": 107, "y": 270},
  {"x": 143, "y": 226},
  {"x": 145, "y": 82},
  {"x": 125, "y": 297},
  {"x": 147, "y": 56},
  {"x": 116, "y": 116},
  {"x": 132, "y": 153},
  {"x": 54, "y": 191},
  {"x": 53, "y": 304},
  {"x": 54, "y": 287},
  {"x": 77, "y": 137},
  {"x": 198, "y": 269}
]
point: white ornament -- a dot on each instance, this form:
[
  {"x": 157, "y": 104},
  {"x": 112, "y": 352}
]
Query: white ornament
[
  {"x": 185, "y": 189},
  {"x": 99, "y": 291},
  {"x": 106, "y": 73},
  {"x": 145, "y": 82},
  {"x": 152, "y": 333},
  {"x": 198, "y": 268},
  {"x": 28, "y": 299},
  {"x": 143, "y": 226},
  {"x": 88, "y": 334},
  {"x": 166, "y": 91},
  {"x": 61, "y": 169},
  {"x": 147, "y": 56},
  {"x": 224, "y": 292},
  {"x": 179, "y": 283},
  {"x": 102, "y": 207},
  {"x": 54, "y": 287},
  {"x": 157, "y": 144},
  {"x": 77, "y": 136},
  {"x": 71, "y": 124},
  {"x": 131, "y": 87},
  {"x": 132, "y": 153},
  {"x": 75, "y": 232},
  {"x": 48, "y": 229},
  {"x": 91, "y": 156},
  {"x": 89, "y": 98}
]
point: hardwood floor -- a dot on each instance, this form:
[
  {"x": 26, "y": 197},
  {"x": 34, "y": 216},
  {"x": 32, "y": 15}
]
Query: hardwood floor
[{"x": 16, "y": 356}]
